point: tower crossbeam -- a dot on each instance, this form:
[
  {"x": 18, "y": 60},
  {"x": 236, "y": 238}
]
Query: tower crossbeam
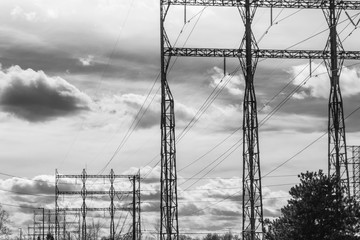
[
  {"x": 259, "y": 53},
  {"x": 309, "y": 4}
]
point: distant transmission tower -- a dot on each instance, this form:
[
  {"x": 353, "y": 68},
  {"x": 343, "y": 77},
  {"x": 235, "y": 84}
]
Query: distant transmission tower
[
  {"x": 112, "y": 193},
  {"x": 248, "y": 54},
  {"x": 354, "y": 163}
]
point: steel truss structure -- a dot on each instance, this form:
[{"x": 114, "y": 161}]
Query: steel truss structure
[
  {"x": 354, "y": 161},
  {"x": 134, "y": 207},
  {"x": 169, "y": 228},
  {"x": 44, "y": 224},
  {"x": 314, "y": 4},
  {"x": 259, "y": 53},
  {"x": 248, "y": 54}
]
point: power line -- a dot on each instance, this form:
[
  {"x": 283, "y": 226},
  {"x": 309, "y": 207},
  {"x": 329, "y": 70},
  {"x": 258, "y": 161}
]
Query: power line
[
  {"x": 134, "y": 125},
  {"x": 306, "y": 147}
]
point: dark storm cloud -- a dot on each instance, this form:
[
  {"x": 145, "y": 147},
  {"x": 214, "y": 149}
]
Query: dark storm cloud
[
  {"x": 35, "y": 97},
  {"x": 150, "y": 180},
  {"x": 232, "y": 198},
  {"x": 151, "y": 197},
  {"x": 34, "y": 187},
  {"x": 227, "y": 213},
  {"x": 56, "y": 60},
  {"x": 189, "y": 209},
  {"x": 151, "y": 207}
]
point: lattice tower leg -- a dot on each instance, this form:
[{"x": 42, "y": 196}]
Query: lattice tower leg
[
  {"x": 138, "y": 208},
  {"x": 356, "y": 168},
  {"x": 134, "y": 208},
  {"x": 112, "y": 194},
  {"x": 354, "y": 160},
  {"x": 64, "y": 226},
  {"x": 169, "y": 229},
  {"x": 57, "y": 225},
  {"x": 252, "y": 208},
  {"x": 337, "y": 152},
  {"x": 34, "y": 225},
  {"x": 83, "y": 206}
]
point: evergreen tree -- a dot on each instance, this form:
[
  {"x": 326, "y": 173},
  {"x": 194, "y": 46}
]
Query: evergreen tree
[{"x": 316, "y": 210}]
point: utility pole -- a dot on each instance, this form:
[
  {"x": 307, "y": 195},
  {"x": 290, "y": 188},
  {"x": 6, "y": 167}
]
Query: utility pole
[{"x": 249, "y": 53}]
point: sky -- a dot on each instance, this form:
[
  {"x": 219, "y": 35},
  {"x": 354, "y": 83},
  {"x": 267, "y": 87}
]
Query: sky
[{"x": 79, "y": 89}]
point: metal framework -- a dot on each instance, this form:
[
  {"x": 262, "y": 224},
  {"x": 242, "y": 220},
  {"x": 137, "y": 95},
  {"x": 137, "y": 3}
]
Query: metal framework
[
  {"x": 248, "y": 54},
  {"x": 309, "y": 4},
  {"x": 252, "y": 217},
  {"x": 44, "y": 223},
  {"x": 169, "y": 228},
  {"x": 112, "y": 193},
  {"x": 354, "y": 161},
  {"x": 336, "y": 125},
  {"x": 259, "y": 53}
]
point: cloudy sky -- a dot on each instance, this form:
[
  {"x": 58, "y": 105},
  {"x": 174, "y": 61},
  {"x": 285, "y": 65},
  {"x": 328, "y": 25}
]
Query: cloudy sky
[{"x": 79, "y": 89}]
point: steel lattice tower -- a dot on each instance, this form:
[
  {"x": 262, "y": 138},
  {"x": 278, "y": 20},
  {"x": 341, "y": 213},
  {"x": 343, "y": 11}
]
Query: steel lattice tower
[
  {"x": 252, "y": 218},
  {"x": 84, "y": 192},
  {"x": 337, "y": 164},
  {"x": 169, "y": 228},
  {"x": 354, "y": 160},
  {"x": 249, "y": 53}
]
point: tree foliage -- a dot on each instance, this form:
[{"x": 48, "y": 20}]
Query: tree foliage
[
  {"x": 316, "y": 210},
  {"x": 215, "y": 236},
  {"x": 4, "y": 222}
]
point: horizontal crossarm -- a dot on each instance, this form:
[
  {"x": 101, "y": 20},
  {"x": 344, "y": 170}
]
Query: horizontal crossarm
[
  {"x": 91, "y": 192},
  {"x": 96, "y": 176},
  {"x": 96, "y": 209},
  {"x": 261, "y": 53},
  {"x": 305, "y": 4}
]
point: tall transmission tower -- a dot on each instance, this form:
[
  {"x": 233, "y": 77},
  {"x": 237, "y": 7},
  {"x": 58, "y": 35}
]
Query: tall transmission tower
[
  {"x": 252, "y": 224},
  {"x": 336, "y": 125},
  {"x": 169, "y": 228},
  {"x": 248, "y": 54}
]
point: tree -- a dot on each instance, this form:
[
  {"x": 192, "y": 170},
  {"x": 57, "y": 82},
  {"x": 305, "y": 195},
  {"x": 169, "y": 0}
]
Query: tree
[
  {"x": 4, "y": 222},
  {"x": 212, "y": 236},
  {"x": 316, "y": 210}
]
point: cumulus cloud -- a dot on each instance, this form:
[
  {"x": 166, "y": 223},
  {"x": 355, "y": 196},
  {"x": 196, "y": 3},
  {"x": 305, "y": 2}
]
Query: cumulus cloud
[
  {"x": 35, "y": 97},
  {"x": 130, "y": 104},
  {"x": 213, "y": 205},
  {"x": 87, "y": 61},
  {"x": 232, "y": 84},
  {"x": 18, "y": 12},
  {"x": 318, "y": 86}
]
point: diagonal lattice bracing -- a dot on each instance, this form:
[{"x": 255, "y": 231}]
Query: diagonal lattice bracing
[
  {"x": 354, "y": 169},
  {"x": 260, "y": 53},
  {"x": 84, "y": 191},
  {"x": 248, "y": 54},
  {"x": 169, "y": 229},
  {"x": 252, "y": 219},
  {"x": 337, "y": 154}
]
